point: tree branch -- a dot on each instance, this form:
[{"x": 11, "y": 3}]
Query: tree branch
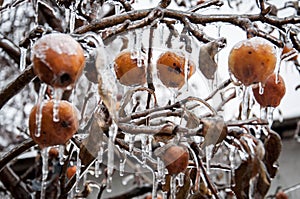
[
  {"x": 27, "y": 144},
  {"x": 16, "y": 86}
]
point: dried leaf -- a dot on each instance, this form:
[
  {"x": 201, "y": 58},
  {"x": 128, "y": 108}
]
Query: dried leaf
[
  {"x": 243, "y": 174},
  {"x": 273, "y": 147},
  {"x": 263, "y": 182},
  {"x": 214, "y": 131},
  {"x": 165, "y": 134},
  {"x": 91, "y": 145},
  {"x": 192, "y": 121},
  {"x": 207, "y": 63}
]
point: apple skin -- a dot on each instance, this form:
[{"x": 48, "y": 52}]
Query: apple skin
[
  {"x": 176, "y": 159},
  {"x": 127, "y": 71},
  {"x": 58, "y": 60},
  {"x": 272, "y": 93},
  {"x": 54, "y": 133},
  {"x": 252, "y": 61},
  {"x": 170, "y": 69}
]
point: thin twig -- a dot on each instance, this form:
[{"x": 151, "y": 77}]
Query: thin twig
[
  {"x": 220, "y": 87},
  {"x": 206, "y": 4}
]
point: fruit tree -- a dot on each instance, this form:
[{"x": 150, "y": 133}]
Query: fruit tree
[{"x": 173, "y": 98}]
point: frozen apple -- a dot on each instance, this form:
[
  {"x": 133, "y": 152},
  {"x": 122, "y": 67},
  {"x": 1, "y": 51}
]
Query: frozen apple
[
  {"x": 128, "y": 71},
  {"x": 272, "y": 92},
  {"x": 252, "y": 60},
  {"x": 51, "y": 132},
  {"x": 171, "y": 69},
  {"x": 176, "y": 159},
  {"x": 58, "y": 59}
]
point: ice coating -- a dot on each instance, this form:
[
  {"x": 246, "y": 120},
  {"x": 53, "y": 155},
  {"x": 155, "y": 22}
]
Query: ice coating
[
  {"x": 252, "y": 61},
  {"x": 255, "y": 42},
  {"x": 56, "y": 42}
]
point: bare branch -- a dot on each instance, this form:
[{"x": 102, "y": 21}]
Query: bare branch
[
  {"x": 16, "y": 86},
  {"x": 27, "y": 144}
]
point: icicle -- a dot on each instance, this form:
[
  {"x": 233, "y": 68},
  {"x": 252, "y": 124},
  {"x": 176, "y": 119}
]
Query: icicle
[
  {"x": 258, "y": 132},
  {"x": 23, "y": 52},
  {"x": 117, "y": 7},
  {"x": 261, "y": 88},
  {"x": 122, "y": 165},
  {"x": 139, "y": 39},
  {"x": 208, "y": 155},
  {"x": 245, "y": 103},
  {"x": 61, "y": 152},
  {"x": 39, "y": 114},
  {"x": 131, "y": 139},
  {"x": 78, "y": 169},
  {"x": 232, "y": 165},
  {"x": 73, "y": 9},
  {"x": 99, "y": 160},
  {"x": 57, "y": 94},
  {"x": 126, "y": 179},
  {"x": 97, "y": 169},
  {"x": 36, "y": 10},
  {"x": 110, "y": 155},
  {"x": 133, "y": 36},
  {"x": 144, "y": 148},
  {"x": 173, "y": 187},
  {"x": 45, "y": 170},
  {"x": 263, "y": 113},
  {"x": 161, "y": 174},
  {"x": 252, "y": 187},
  {"x": 149, "y": 148},
  {"x": 164, "y": 194},
  {"x": 186, "y": 70},
  {"x": 180, "y": 179},
  {"x": 109, "y": 184},
  {"x": 154, "y": 186},
  {"x": 67, "y": 16},
  {"x": 161, "y": 33},
  {"x": 270, "y": 116},
  {"x": 100, "y": 154}
]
